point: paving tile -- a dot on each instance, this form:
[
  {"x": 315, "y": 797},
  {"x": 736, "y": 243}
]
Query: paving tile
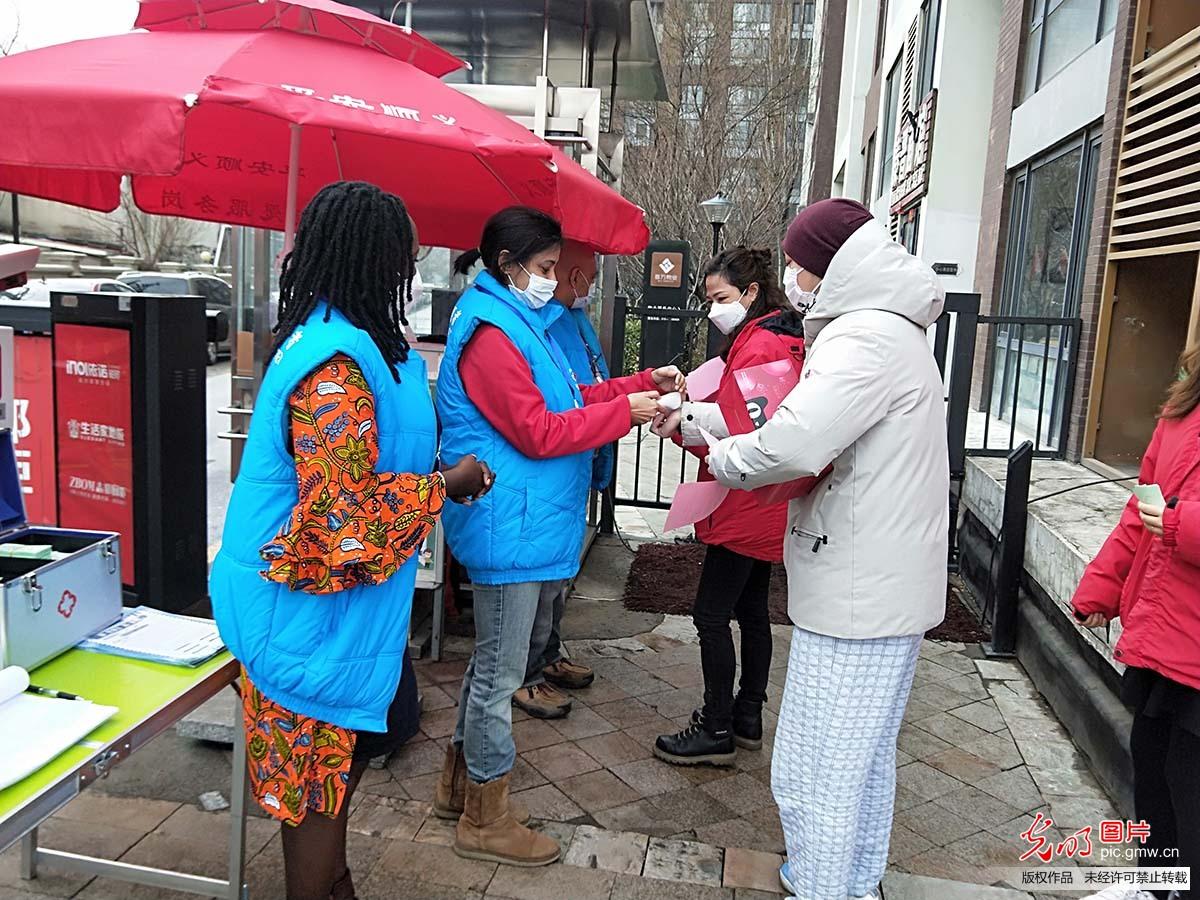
[
  {"x": 915, "y": 711},
  {"x": 905, "y": 842},
  {"x": 998, "y": 749},
  {"x": 647, "y": 732},
  {"x": 686, "y": 861},
  {"x": 925, "y": 781},
  {"x": 437, "y": 831},
  {"x": 627, "y": 713},
  {"x": 524, "y": 776},
  {"x": 388, "y": 886},
  {"x": 640, "y": 816},
  {"x": 650, "y": 776},
  {"x": 381, "y": 783},
  {"x": 1015, "y": 787},
  {"x": 918, "y": 743},
  {"x": 562, "y": 832},
  {"x": 956, "y": 662},
  {"x": 704, "y": 774},
  {"x": 561, "y": 761},
  {"x": 743, "y": 833},
  {"x": 599, "y": 691},
  {"x": 95, "y": 808},
  {"x": 952, "y": 729},
  {"x": 1000, "y": 670},
  {"x": 551, "y": 883},
  {"x": 902, "y": 758},
  {"x": 417, "y": 759},
  {"x": 751, "y": 894},
  {"x": 1014, "y": 707},
  {"x": 1050, "y": 753},
  {"x": 966, "y": 767},
  {"x": 383, "y": 817},
  {"x": 438, "y": 697},
  {"x": 420, "y": 788},
  {"x": 673, "y": 703},
  {"x": 976, "y": 806},
  {"x": 439, "y": 723},
  {"x": 940, "y": 697},
  {"x": 741, "y": 793},
  {"x": 447, "y": 671},
  {"x": 682, "y": 676},
  {"x": 1073, "y": 813},
  {"x": 548, "y": 802},
  {"x": 692, "y": 807},
  {"x": 1064, "y": 781},
  {"x": 902, "y": 886},
  {"x": 583, "y": 722},
  {"x": 982, "y": 714},
  {"x": 57, "y": 833},
  {"x": 906, "y": 799},
  {"x": 939, "y": 865},
  {"x": 191, "y": 825},
  {"x": 435, "y": 865},
  {"x": 533, "y": 734},
  {"x": 629, "y": 887},
  {"x": 623, "y": 852},
  {"x": 936, "y": 824},
  {"x": 751, "y": 869},
  {"x": 598, "y": 790},
  {"x": 970, "y": 686},
  {"x": 1010, "y": 689},
  {"x": 642, "y": 684},
  {"x": 988, "y": 849},
  {"x": 614, "y": 748},
  {"x": 928, "y": 671}
]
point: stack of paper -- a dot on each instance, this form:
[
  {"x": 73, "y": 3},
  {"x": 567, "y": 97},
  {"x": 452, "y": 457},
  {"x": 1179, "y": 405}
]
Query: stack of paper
[
  {"x": 156, "y": 636},
  {"x": 26, "y": 551},
  {"x": 43, "y": 727}
]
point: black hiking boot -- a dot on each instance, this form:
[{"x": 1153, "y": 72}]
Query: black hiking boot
[{"x": 696, "y": 745}]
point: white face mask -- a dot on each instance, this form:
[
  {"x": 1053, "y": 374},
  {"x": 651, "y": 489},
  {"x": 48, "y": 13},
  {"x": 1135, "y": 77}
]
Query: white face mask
[
  {"x": 582, "y": 302},
  {"x": 537, "y": 293},
  {"x": 802, "y": 301},
  {"x": 727, "y": 316}
]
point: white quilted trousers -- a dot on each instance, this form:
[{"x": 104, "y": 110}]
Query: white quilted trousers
[{"x": 834, "y": 767}]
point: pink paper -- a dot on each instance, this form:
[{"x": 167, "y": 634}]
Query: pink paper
[
  {"x": 703, "y": 381},
  {"x": 763, "y": 388},
  {"x": 694, "y": 501}
]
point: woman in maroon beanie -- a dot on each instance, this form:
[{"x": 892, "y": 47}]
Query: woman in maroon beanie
[{"x": 866, "y": 549}]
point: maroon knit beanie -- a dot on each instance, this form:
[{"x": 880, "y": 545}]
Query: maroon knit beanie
[{"x": 820, "y": 229}]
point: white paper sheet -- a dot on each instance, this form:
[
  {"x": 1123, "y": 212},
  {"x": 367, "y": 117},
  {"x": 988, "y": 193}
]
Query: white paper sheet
[
  {"x": 150, "y": 634},
  {"x": 47, "y": 726},
  {"x": 1150, "y": 494}
]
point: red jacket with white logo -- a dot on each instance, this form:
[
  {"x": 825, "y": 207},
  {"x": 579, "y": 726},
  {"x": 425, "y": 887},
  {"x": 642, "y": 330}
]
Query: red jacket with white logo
[{"x": 1153, "y": 584}]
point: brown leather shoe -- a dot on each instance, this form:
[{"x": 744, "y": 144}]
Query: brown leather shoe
[
  {"x": 543, "y": 701},
  {"x": 449, "y": 797},
  {"x": 488, "y": 831},
  {"x": 570, "y": 675}
]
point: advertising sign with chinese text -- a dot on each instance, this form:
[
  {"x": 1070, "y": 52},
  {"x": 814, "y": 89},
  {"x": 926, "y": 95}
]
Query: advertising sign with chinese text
[
  {"x": 95, "y": 433},
  {"x": 33, "y": 426}
]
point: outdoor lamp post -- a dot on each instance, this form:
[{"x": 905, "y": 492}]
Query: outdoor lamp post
[{"x": 717, "y": 210}]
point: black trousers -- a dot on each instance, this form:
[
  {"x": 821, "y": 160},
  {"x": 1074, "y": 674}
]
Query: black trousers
[
  {"x": 1166, "y": 792},
  {"x": 732, "y": 585}
]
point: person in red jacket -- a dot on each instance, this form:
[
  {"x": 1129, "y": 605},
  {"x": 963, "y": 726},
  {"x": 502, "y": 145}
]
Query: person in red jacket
[
  {"x": 744, "y": 538},
  {"x": 1147, "y": 574}
]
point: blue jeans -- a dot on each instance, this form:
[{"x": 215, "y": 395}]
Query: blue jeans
[
  {"x": 545, "y": 645},
  {"x": 504, "y": 619}
]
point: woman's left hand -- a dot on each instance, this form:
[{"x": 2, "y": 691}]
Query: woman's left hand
[
  {"x": 668, "y": 379},
  {"x": 1152, "y": 518}
]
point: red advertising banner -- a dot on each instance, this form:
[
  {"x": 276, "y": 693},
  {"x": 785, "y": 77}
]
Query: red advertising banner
[
  {"x": 33, "y": 426},
  {"x": 95, "y": 433}
]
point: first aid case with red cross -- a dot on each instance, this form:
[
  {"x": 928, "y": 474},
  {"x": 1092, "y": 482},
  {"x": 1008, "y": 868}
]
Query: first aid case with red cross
[{"x": 48, "y": 605}]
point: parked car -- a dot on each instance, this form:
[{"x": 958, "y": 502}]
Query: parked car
[{"x": 218, "y": 300}]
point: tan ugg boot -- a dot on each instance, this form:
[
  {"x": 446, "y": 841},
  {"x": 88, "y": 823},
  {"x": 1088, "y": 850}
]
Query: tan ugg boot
[
  {"x": 488, "y": 831},
  {"x": 450, "y": 794}
]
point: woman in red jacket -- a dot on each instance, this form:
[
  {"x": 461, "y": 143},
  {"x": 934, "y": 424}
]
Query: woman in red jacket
[
  {"x": 1148, "y": 575},
  {"x": 744, "y": 538}
]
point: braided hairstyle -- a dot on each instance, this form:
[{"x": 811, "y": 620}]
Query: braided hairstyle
[
  {"x": 743, "y": 266},
  {"x": 354, "y": 250}
]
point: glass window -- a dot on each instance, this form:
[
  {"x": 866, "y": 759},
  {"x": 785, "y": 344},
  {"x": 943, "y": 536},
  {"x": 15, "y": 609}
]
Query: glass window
[
  {"x": 931, "y": 12},
  {"x": 1071, "y": 27},
  {"x": 910, "y": 226},
  {"x": 159, "y": 284},
  {"x": 880, "y": 29},
  {"x": 744, "y": 113},
  {"x": 1108, "y": 17},
  {"x": 692, "y": 103},
  {"x": 639, "y": 123},
  {"x": 1045, "y": 261},
  {"x": 889, "y": 128},
  {"x": 751, "y": 30},
  {"x": 700, "y": 35}
]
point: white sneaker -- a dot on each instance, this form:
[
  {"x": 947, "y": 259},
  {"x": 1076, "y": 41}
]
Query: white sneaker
[{"x": 1121, "y": 893}]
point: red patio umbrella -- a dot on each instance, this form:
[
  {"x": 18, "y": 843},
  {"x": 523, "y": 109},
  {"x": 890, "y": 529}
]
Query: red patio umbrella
[
  {"x": 324, "y": 18},
  {"x": 244, "y": 127}
]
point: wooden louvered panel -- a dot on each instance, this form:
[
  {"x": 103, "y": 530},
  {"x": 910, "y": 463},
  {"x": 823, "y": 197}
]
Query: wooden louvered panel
[{"x": 1158, "y": 166}]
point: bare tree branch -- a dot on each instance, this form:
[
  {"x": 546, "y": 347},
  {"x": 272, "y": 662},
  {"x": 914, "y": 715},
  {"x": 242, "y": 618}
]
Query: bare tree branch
[{"x": 155, "y": 239}]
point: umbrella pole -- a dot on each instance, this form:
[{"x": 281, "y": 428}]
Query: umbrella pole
[{"x": 293, "y": 188}]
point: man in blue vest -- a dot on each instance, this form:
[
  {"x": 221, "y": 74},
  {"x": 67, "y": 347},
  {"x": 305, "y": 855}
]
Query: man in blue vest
[{"x": 576, "y": 271}]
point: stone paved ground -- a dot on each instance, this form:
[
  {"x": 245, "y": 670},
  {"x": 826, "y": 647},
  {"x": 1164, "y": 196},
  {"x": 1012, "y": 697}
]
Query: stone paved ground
[{"x": 979, "y": 755}]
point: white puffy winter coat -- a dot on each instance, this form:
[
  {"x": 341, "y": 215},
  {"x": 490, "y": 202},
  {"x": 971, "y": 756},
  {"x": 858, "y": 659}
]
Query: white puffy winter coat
[{"x": 866, "y": 550}]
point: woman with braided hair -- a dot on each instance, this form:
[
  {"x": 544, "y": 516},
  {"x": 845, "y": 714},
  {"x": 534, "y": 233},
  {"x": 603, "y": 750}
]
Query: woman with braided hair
[{"x": 312, "y": 589}]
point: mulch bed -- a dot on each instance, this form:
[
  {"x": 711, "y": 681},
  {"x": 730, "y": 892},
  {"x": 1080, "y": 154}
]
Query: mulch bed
[{"x": 664, "y": 579}]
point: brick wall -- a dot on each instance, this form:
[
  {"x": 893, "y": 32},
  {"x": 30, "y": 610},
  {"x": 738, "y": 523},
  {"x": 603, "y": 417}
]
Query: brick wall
[{"x": 1093, "y": 279}]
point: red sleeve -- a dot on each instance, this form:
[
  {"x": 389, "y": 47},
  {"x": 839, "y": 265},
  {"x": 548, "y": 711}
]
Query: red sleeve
[
  {"x": 499, "y": 382},
  {"x": 1103, "y": 580},
  {"x": 618, "y": 387}
]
